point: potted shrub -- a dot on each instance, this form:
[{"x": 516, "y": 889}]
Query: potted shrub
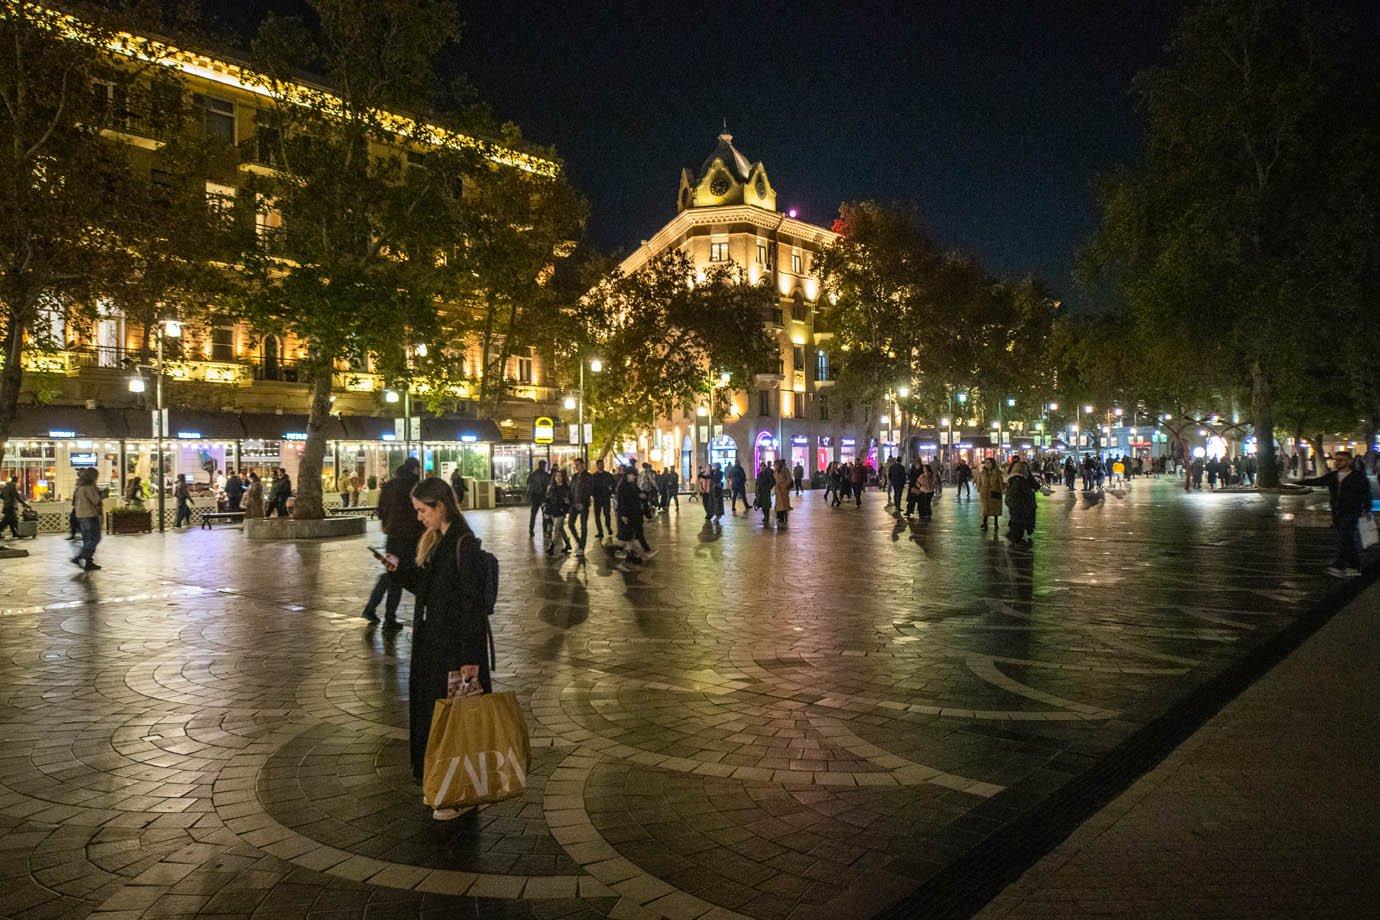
[{"x": 129, "y": 519}]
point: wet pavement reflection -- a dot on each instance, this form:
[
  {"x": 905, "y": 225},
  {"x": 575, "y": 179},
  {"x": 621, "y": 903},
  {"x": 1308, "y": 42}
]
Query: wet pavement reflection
[{"x": 802, "y": 722}]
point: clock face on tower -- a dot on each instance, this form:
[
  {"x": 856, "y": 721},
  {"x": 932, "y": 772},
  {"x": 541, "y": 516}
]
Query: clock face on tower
[
  {"x": 761, "y": 187},
  {"x": 720, "y": 185}
]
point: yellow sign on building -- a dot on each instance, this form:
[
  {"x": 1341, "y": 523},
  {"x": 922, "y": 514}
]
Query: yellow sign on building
[{"x": 543, "y": 431}]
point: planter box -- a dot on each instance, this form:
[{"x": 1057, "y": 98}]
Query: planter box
[{"x": 128, "y": 521}]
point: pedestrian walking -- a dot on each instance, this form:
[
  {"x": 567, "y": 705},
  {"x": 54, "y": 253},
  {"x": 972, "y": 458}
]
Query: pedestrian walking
[
  {"x": 342, "y": 486},
  {"x": 737, "y": 479},
  {"x": 182, "y": 492},
  {"x": 602, "y": 485},
  {"x": 87, "y": 504},
  {"x": 924, "y": 488},
  {"x": 11, "y": 500},
  {"x": 964, "y": 472},
  {"x": 555, "y": 510},
  {"x": 798, "y": 475},
  {"x": 991, "y": 488},
  {"x": 631, "y": 519},
  {"x": 581, "y": 494},
  {"x": 537, "y": 483},
  {"x": 896, "y": 483},
  {"x": 401, "y": 531},
  {"x": 859, "y": 481}
]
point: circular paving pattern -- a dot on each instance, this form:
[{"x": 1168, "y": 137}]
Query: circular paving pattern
[{"x": 759, "y": 723}]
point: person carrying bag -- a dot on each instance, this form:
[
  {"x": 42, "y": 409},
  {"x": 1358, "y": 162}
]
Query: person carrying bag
[{"x": 480, "y": 742}]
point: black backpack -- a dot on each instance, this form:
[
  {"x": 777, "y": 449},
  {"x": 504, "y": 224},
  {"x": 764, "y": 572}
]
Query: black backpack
[{"x": 488, "y": 563}]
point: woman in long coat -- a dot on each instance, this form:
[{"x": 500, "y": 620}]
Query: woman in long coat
[
  {"x": 254, "y": 498},
  {"x": 450, "y": 623},
  {"x": 766, "y": 485},
  {"x": 991, "y": 489},
  {"x": 1020, "y": 502},
  {"x": 784, "y": 483}
]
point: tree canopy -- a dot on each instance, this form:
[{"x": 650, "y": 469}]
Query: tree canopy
[
  {"x": 665, "y": 334},
  {"x": 1244, "y": 239}
]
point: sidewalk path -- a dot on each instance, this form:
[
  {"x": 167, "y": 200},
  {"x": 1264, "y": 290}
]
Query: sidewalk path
[{"x": 1271, "y": 809}]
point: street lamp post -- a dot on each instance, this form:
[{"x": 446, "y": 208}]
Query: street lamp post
[
  {"x": 903, "y": 391},
  {"x": 595, "y": 366},
  {"x": 173, "y": 330}
]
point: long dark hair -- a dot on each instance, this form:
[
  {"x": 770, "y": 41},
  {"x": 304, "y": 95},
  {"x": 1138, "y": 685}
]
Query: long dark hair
[{"x": 432, "y": 492}]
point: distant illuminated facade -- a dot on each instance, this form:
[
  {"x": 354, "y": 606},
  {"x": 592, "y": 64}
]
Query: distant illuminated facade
[{"x": 726, "y": 212}]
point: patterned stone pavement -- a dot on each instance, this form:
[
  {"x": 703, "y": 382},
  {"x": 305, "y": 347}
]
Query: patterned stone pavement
[{"x": 814, "y": 722}]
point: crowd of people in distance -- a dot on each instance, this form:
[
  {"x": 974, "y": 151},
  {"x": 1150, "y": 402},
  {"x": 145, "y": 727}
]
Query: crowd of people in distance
[{"x": 563, "y": 500}]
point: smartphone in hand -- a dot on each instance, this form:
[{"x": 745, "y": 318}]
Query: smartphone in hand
[{"x": 388, "y": 559}]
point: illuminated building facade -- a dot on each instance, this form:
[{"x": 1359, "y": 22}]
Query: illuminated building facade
[
  {"x": 727, "y": 212},
  {"x": 234, "y": 396}
]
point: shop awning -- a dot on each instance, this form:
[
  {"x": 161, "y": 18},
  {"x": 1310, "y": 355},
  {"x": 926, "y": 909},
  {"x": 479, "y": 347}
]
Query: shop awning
[
  {"x": 61, "y": 422},
  {"x": 369, "y": 428},
  {"x": 270, "y": 427},
  {"x": 447, "y": 429},
  {"x": 201, "y": 425}
]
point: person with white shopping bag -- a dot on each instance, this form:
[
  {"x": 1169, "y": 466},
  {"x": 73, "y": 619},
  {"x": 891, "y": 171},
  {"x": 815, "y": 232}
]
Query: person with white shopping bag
[
  {"x": 1350, "y": 493},
  {"x": 454, "y": 581}
]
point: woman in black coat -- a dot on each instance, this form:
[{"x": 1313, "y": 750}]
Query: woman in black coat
[{"x": 450, "y": 625}]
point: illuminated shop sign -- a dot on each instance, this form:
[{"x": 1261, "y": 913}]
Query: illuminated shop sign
[
  {"x": 294, "y": 435},
  {"x": 62, "y": 434},
  {"x": 189, "y": 435}
]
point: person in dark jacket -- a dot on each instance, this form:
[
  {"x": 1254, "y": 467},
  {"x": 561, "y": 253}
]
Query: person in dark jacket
[
  {"x": 12, "y": 500},
  {"x": 581, "y": 493},
  {"x": 555, "y": 510},
  {"x": 279, "y": 494},
  {"x": 859, "y": 481},
  {"x": 401, "y": 531},
  {"x": 766, "y": 484},
  {"x": 601, "y": 489},
  {"x": 459, "y": 487},
  {"x": 896, "y": 481},
  {"x": 737, "y": 481},
  {"x": 1020, "y": 503},
  {"x": 451, "y": 643},
  {"x": 183, "y": 494},
  {"x": 536, "y": 494},
  {"x": 631, "y": 517},
  {"x": 234, "y": 491},
  {"x": 1350, "y": 494}
]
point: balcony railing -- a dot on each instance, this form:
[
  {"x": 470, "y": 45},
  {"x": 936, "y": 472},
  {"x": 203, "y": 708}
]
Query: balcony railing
[
  {"x": 260, "y": 153},
  {"x": 136, "y": 128},
  {"x": 61, "y": 362}
]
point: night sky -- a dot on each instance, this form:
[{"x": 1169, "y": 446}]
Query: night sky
[{"x": 993, "y": 116}]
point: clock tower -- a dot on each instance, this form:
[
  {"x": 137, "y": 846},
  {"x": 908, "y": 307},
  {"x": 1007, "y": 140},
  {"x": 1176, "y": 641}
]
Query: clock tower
[{"x": 726, "y": 177}]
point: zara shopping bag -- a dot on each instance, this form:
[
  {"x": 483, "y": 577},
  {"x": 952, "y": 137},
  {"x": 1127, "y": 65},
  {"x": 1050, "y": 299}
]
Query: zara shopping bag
[{"x": 477, "y": 751}]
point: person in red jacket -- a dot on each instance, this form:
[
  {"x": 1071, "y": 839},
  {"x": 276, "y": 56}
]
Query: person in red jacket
[{"x": 861, "y": 473}]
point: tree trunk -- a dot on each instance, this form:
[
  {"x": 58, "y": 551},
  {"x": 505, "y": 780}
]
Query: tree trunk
[
  {"x": 309, "y": 504},
  {"x": 1262, "y": 413},
  {"x": 1373, "y": 434},
  {"x": 486, "y": 344},
  {"x": 12, "y": 376}
]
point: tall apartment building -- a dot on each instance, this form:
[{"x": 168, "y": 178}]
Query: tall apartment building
[
  {"x": 234, "y": 397},
  {"x": 726, "y": 212}
]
